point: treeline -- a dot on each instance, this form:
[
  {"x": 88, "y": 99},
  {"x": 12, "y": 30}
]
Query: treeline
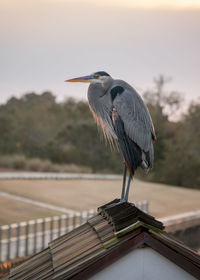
[{"x": 36, "y": 126}]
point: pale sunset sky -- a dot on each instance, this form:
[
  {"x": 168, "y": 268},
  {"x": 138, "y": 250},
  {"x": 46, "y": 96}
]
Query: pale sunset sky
[{"x": 44, "y": 42}]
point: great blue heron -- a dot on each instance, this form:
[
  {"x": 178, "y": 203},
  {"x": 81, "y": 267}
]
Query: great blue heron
[{"x": 122, "y": 115}]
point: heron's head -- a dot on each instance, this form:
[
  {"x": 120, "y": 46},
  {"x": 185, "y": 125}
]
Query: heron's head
[{"x": 97, "y": 77}]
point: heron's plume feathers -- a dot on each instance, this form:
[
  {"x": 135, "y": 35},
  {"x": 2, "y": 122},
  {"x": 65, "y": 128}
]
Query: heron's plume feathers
[{"x": 106, "y": 133}]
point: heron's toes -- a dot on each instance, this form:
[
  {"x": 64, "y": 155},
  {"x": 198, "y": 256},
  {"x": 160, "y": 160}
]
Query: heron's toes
[{"x": 115, "y": 204}]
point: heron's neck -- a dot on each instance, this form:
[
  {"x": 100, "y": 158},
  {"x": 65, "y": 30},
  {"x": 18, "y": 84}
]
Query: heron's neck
[
  {"x": 107, "y": 84},
  {"x": 95, "y": 91},
  {"x": 100, "y": 88}
]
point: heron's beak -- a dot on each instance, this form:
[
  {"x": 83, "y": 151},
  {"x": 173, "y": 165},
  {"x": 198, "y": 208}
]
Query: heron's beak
[{"x": 84, "y": 79}]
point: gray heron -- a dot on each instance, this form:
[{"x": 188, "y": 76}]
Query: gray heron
[{"x": 121, "y": 113}]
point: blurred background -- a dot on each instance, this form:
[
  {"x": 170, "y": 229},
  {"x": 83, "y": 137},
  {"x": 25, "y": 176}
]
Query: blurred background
[
  {"x": 153, "y": 45},
  {"x": 46, "y": 126}
]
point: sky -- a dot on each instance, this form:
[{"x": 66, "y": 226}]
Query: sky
[{"x": 44, "y": 42}]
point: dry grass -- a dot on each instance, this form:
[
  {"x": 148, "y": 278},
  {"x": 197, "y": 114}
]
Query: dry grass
[
  {"x": 12, "y": 211},
  {"x": 86, "y": 194},
  {"x": 21, "y": 163}
]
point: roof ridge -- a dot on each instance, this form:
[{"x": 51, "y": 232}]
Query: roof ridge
[{"x": 123, "y": 215}]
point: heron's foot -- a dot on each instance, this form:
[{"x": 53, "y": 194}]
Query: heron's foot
[{"x": 115, "y": 204}]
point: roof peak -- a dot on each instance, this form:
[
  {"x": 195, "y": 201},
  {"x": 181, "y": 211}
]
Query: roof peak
[{"x": 123, "y": 215}]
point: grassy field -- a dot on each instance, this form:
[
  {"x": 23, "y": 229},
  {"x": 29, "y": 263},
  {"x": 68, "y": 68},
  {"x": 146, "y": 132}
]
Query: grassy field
[
  {"x": 12, "y": 211},
  {"x": 86, "y": 194}
]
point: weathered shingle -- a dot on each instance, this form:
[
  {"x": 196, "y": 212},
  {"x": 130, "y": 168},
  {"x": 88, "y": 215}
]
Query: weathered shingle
[
  {"x": 37, "y": 267},
  {"x": 73, "y": 250}
]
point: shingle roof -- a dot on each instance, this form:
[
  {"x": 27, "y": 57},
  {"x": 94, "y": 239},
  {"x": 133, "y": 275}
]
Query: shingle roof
[{"x": 105, "y": 237}]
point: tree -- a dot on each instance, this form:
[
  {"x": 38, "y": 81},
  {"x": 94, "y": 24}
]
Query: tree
[
  {"x": 161, "y": 105},
  {"x": 183, "y": 160}
]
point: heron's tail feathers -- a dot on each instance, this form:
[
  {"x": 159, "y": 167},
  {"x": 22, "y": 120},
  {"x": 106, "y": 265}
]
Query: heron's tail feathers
[
  {"x": 146, "y": 163},
  {"x": 145, "y": 166}
]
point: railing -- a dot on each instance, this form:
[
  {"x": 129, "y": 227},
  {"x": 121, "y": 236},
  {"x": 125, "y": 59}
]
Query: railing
[
  {"x": 26, "y": 238},
  {"x": 181, "y": 222},
  {"x": 56, "y": 176}
]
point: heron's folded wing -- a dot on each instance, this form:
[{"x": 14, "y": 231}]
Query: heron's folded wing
[{"x": 136, "y": 118}]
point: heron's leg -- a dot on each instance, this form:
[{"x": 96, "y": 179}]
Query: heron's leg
[
  {"x": 124, "y": 183},
  {"x": 127, "y": 189}
]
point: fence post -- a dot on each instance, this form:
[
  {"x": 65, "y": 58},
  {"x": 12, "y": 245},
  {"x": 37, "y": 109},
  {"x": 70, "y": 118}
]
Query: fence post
[
  {"x": 87, "y": 215},
  {"x": 35, "y": 236},
  {"x": 59, "y": 225},
  {"x": 81, "y": 218},
  {"x": 67, "y": 223},
  {"x": 51, "y": 228},
  {"x": 18, "y": 240},
  {"x": 74, "y": 221},
  {"x": 9, "y": 241},
  {"x": 27, "y": 238},
  {"x": 43, "y": 234}
]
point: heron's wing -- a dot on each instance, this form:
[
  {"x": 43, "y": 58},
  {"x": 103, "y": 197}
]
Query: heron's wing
[
  {"x": 136, "y": 118},
  {"x": 131, "y": 152}
]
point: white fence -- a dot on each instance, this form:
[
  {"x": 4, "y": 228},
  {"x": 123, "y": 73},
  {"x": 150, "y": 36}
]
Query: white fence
[
  {"x": 56, "y": 176},
  {"x": 26, "y": 238}
]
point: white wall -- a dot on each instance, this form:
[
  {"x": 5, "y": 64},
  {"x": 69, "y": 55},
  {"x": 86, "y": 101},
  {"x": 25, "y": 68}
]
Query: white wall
[{"x": 143, "y": 264}]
